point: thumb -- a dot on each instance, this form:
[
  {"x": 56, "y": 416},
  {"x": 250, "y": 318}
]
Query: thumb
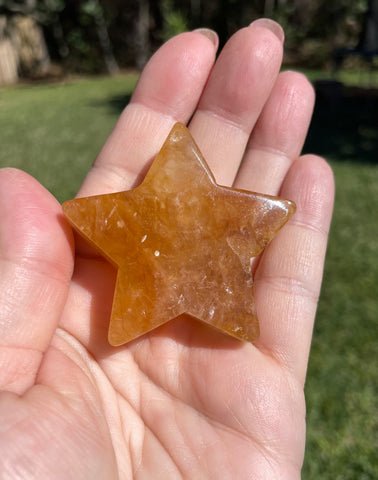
[{"x": 36, "y": 261}]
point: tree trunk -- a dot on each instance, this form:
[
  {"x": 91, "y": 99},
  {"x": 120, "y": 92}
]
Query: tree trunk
[
  {"x": 268, "y": 8},
  {"x": 143, "y": 34},
  {"x": 195, "y": 9},
  {"x": 107, "y": 50},
  {"x": 29, "y": 43},
  {"x": 369, "y": 36},
  {"x": 8, "y": 55},
  {"x": 58, "y": 33},
  {"x": 53, "y": 19}
]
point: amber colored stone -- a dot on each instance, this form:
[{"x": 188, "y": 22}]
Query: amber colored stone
[{"x": 181, "y": 243}]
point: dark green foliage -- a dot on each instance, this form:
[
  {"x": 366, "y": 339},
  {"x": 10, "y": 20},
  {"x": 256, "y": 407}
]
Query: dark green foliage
[{"x": 313, "y": 29}]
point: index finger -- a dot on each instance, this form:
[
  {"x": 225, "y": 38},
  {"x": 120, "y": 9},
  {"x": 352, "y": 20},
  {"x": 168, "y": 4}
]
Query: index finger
[{"x": 168, "y": 91}]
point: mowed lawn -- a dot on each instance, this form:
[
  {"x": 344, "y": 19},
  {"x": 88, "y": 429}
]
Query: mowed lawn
[{"x": 55, "y": 131}]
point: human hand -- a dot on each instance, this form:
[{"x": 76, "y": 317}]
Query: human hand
[{"x": 183, "y": 401}]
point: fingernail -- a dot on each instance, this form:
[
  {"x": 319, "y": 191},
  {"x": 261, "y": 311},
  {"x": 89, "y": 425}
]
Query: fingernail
[
  {"x": 210, "y": 34},
  {"x": 270, "y": 25}
]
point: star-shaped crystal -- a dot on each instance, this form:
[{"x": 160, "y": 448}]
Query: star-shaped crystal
[{"x": 181, "y": 244}]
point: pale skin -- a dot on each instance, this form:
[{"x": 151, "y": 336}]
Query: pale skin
[{"x": 183, "y": 401}]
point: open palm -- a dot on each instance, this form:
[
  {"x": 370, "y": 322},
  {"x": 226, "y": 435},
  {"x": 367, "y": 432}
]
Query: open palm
[{"x": 183, "y": 401}]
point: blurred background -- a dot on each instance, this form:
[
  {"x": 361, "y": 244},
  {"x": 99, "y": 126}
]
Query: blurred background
[
  {"x": 42, "y": 38},
  {"x": 68, "y": 68}
]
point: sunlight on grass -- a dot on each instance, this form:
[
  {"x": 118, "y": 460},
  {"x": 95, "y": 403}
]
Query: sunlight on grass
[
  {"x": 362, "y": 78},
  {"x": 54, "y": 132},
  {"x": 341, "y": 387}
]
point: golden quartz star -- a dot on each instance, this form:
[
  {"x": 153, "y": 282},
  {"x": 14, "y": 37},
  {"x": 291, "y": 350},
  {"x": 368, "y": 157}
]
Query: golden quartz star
[{"x": 181, "y": 243}]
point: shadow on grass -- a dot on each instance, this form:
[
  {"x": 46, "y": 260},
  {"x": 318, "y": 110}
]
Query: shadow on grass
[
  {"x": 345, "y": 123},
  {"x": 115, "y": 103}
]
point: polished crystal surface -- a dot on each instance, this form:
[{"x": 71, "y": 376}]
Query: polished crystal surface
[{"x": 181, "y": 243}]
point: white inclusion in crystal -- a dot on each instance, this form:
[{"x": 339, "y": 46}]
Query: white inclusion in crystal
[
  {"x": 156, "y": 253},
  {"x": 112, "y": 211},
  {"x": 228, "y": 290},
  {"x": 212, "y": 311},
  {"x": 143, "y": 239},
  {"x": 120, "y": 223}
]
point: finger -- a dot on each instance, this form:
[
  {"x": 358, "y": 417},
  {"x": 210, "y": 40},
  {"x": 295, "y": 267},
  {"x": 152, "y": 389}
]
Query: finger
[
  {"x": 238, "y": 87},
  {"x": 36, "y": 265},
  {"x": 279, "y": 134},
  {"x": 168, "y": 91},
  {"x": 288, "y": 278}
]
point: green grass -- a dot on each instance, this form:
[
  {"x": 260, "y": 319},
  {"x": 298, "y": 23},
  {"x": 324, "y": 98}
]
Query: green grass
[
  {"x": 364, "y": 77},
  {"x": 341, "y": 391},
  {"x": 55, "y": 131}
]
